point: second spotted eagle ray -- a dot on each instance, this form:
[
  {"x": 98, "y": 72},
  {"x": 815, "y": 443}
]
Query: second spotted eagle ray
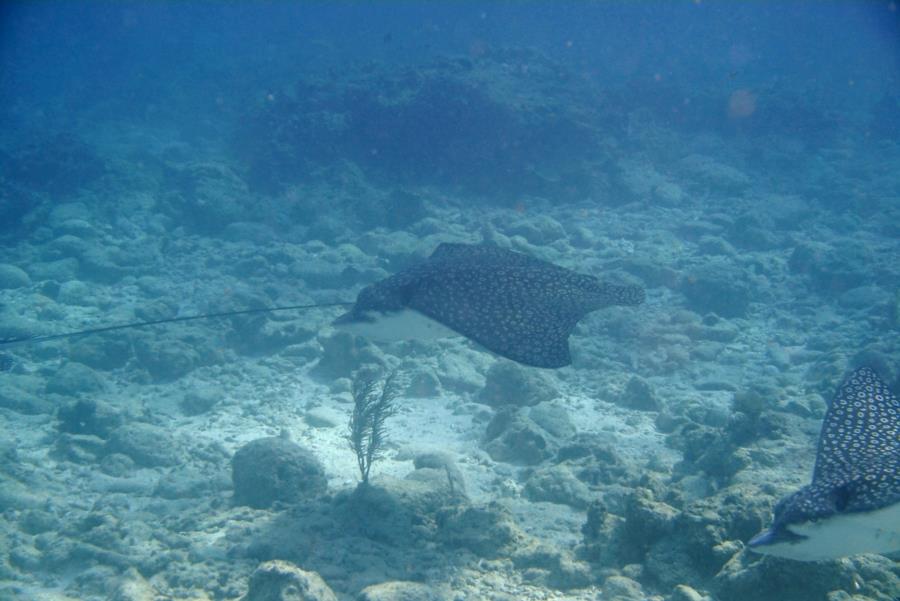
[
  {"x": 514, "y": 305},
  {"x": 852, "y": 505}
]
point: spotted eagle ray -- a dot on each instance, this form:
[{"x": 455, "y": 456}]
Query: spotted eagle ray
[
  {"x": 517, "y": 306},
  {"x": 852, "y": 505},
  {"x": 512, "y": 304}
]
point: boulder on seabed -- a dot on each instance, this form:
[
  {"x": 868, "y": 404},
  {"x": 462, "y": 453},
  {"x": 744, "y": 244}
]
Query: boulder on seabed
[{"x": 283, "y": 581}]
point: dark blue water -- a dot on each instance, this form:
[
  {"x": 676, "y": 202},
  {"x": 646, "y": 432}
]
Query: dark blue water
[{"x": 133, "y": 54}]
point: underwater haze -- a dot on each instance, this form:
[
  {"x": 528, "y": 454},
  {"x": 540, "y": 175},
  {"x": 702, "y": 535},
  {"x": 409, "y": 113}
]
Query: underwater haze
[{"x": 450, "y": 301}]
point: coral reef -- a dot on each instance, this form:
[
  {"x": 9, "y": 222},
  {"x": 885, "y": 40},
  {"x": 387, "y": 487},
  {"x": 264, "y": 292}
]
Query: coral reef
[{"x": 459, "y": 122}]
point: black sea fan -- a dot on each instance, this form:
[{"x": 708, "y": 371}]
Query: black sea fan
[{"x": 372, "y": 405}]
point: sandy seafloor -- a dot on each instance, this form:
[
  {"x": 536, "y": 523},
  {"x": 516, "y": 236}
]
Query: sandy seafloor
[{"x": 687, "y": 417}]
